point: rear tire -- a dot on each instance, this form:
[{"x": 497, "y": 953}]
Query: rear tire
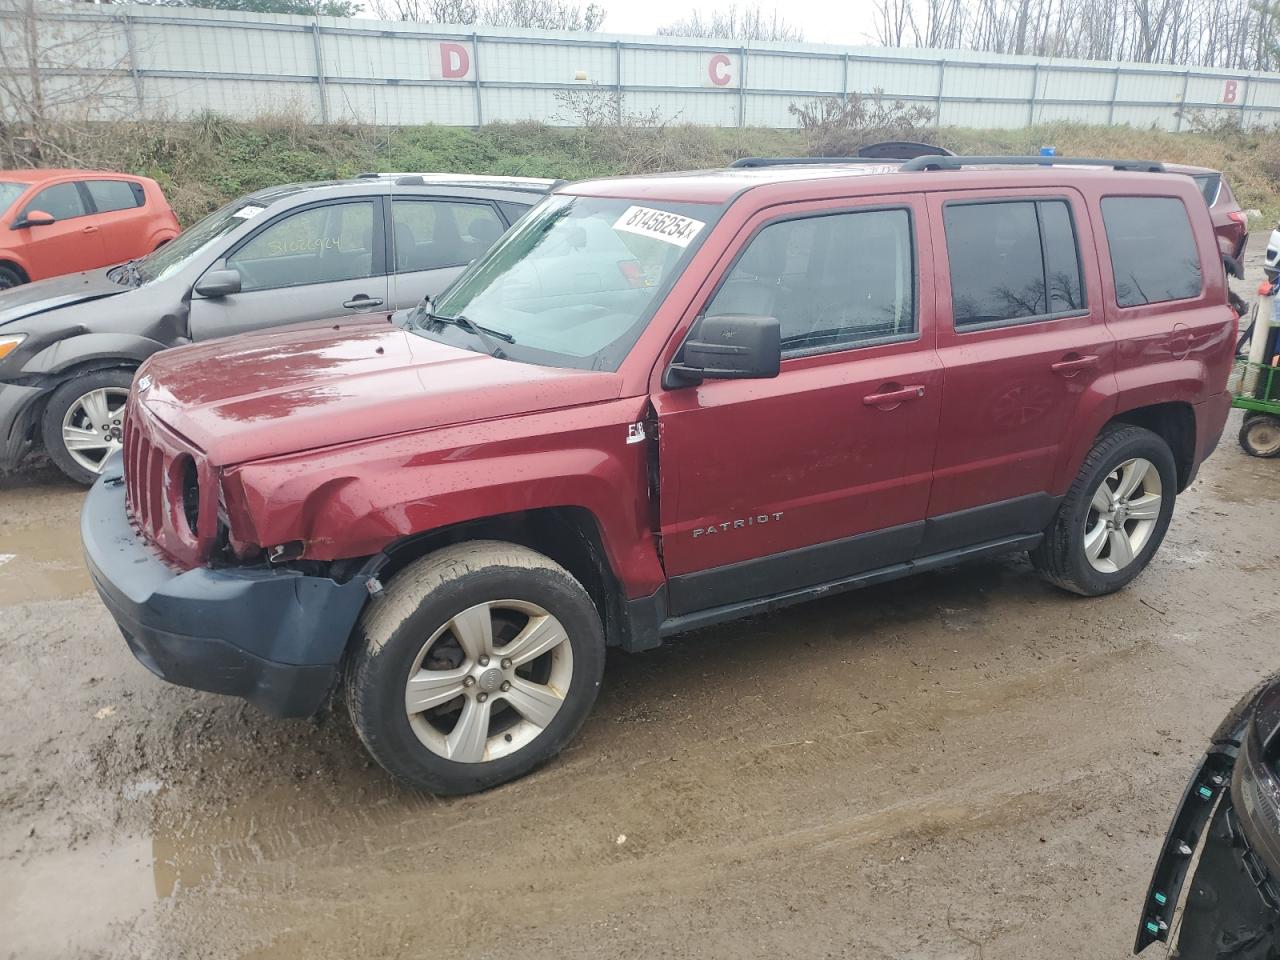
[
  {"x": 1260, "y": 435},
  {"x": 479, "y": 663},
  {"x": 83, "y": 423},
  {"x": 1114, "y": 517},
  {"x": 9, "y": 277}
]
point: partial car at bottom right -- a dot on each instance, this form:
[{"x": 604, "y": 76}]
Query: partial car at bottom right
[{"x": 1224, "y": 840}]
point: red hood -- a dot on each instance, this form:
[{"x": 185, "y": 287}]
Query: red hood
[{"x": 316, "y": 385}]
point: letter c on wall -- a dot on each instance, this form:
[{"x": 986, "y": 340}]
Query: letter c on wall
[
  {"x": 718, "y": 69},
  {"x": 455, "y": 62}
]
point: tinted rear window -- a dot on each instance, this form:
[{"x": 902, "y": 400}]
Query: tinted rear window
[
  {"x": 1012, "y": 260},
  {"x": 1153, "y": 251},
  {"x": 1208, "y": 184}
]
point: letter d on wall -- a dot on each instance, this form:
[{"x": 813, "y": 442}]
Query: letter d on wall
[{"x": 452, "y": 62}]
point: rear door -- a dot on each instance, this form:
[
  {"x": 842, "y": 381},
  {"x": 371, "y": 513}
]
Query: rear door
[
  {"x": 433, "y": 239},
  {"x": 72, "y": 243},
  {"x": 119, "y": 210},
  {"x": 775, "y": 485},
  {"x": 324, "y": 260},
  {"x": 1024, "y": 348}
]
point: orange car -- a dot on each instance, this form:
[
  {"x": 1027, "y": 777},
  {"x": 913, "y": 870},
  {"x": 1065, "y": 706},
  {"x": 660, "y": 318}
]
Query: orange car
[{"x": 63, "y": 221}]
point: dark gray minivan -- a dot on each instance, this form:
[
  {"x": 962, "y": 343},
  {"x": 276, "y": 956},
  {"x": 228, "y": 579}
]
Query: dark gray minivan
[{"x": 69, "y": 345}]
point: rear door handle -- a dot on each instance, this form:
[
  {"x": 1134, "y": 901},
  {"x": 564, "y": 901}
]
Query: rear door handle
[
  {"x": 89, "y": 229},
  {"x": 1074, "y": 365},
  {"x": 361, "y": 302},
  {"x": 901, "y": 395}
]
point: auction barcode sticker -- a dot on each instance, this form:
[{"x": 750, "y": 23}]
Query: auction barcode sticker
[{"x": 668, "y": 227}]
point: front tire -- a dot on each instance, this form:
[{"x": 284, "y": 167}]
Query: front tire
[
  {"x": 83, "y": 423},
  {"x": 1114, "y": 517},
  {"x": 10, "y": 277},
  {"x": 479, "y": 663}
]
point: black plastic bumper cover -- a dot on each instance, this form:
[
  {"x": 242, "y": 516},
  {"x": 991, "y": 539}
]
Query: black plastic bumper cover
[{"x": 272, "y": 636}]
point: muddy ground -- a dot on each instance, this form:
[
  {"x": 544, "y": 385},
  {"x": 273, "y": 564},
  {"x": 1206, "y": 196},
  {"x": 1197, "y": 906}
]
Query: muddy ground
[{"x": 968, "y": 764}]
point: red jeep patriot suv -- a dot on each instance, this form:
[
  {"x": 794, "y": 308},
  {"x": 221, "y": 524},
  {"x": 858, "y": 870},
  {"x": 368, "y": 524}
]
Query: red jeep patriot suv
[{"x": 660, "y": 403}]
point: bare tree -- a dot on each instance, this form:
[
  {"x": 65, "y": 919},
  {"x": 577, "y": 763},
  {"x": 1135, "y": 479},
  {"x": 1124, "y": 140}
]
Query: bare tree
[
  {"x": 539, "y": 14},
  {"x": 56, "y": 76},
  {"x": 733, "y": 23},
  {"x": 1239, "y": 34}
]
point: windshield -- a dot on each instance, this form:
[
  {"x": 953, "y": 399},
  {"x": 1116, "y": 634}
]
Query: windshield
[
  {"x": 9, "y": 192},
  {"x": 573, "y": 283},
  {"x": 189, "y": 244}
]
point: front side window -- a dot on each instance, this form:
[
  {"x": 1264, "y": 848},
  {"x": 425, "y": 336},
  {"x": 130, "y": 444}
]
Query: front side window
[
  {"x": 834, "y": 281},
  {"x": 435, "y": 234},
  {"x": 62, "y": 201},
  {"x": 9, "y": 192},
  {"x": 574, "y": 283},
  {"x": 1153, "y": 251},
  {"x": 111, "y": 195},
  {"x": 317, "y": 245},
  {"x": 1012, "y": 260}
]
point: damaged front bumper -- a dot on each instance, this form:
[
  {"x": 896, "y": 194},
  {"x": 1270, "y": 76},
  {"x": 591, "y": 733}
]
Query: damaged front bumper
[
  {"x": 270, "y": 635},
  {"x": 1230, "y": 813}
]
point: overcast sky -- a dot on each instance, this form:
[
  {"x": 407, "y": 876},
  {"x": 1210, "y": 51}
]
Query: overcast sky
[{"x": 848, "y": 23}]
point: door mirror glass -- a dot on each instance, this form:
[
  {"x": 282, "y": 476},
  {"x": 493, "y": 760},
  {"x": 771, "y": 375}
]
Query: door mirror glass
[
  {"x": 35, "y": 218},
  {"x": 729, "y": 347},
  {"x": 219, "y": 283}
]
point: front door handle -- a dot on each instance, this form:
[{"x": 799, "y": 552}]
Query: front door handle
[
  {"x": 899, "y": 395},
  {"x": 1073, "y": 365},
  {"x": 361, "y": 302}
]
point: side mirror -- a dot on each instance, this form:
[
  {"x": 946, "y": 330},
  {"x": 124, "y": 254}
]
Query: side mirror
[
  {"x": 34, "y": 218},
  {"x": 219, "y": 283},
  {"x": 729, "y": 347}
]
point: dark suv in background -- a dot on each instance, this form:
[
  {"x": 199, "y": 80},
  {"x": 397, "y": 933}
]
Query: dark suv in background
[{"x": 69, "y": 346}]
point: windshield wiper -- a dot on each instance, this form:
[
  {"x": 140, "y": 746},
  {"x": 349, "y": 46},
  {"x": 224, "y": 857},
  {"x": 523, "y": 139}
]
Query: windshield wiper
[{"x": 486, "y": 334}]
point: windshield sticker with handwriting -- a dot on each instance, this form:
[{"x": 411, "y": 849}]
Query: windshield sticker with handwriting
[{"x": 660, "y": 225}]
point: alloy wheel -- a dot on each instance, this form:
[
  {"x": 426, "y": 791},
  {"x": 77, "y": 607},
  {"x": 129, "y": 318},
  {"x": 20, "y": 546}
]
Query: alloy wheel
[
  {"x": 1122, "y": 515},
  {"x": 489, "y": 681},
  {"x": 93, "y": 427}
]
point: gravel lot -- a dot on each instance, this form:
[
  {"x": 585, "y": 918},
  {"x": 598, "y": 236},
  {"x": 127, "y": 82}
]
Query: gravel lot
[{"x": 968, "y": 764}]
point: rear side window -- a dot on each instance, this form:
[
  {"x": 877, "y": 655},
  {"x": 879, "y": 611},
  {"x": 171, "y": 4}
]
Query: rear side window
[
  {"x": 1153, "y": 251},
  {"x": 1208, "y": 184},
  {"x": 833, "y": 281},
  {"x": 109, "y": 195},
  {"x": 1012, "y": 260}
]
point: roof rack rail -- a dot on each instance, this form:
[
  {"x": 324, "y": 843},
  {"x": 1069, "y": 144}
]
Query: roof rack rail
[
  {"x": 956, "y": 163},
  {"x": 368, "y": 175},
  {"x": 796, "y": 161}
]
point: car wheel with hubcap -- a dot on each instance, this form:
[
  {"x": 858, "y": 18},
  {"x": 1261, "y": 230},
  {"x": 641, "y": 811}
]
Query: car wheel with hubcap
[
  {"x": 478, "y": 663},
  {"x": 1115, "y": 515},
  {"x": 83, "y": 423},
  {"x": 1260, "y": 435}
]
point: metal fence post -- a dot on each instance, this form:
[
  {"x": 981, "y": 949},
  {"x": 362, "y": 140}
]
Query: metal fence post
[
  {"x": 131, "y": 44},
  {"x": 1031, "y": 104},
  {"x": 1244, "y": 102},
  {"x": 844, "y": 79},
  {"x": 617, "y": 76},
  {"x": 1182, "y": 101},
  {"x": 742, "y": 86},
  {"x": 475, "y": 67},
  {"x": 1115, "y": 89},
  {"x": 937, "y": 110},
  {"x": 321, "y": 87}
]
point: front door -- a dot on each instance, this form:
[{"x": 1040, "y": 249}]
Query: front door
[
  {"x": 769, "y": 486},
  {"x": 317, "y": 263},
  {"x": 1023, "y": 347},
  {"x": 73, "y": 242}
]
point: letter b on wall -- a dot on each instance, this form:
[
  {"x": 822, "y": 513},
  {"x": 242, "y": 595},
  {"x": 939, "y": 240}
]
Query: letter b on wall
[
  {"x": 1229, "y": 91},
  {"x": 451, "y": 61}
]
